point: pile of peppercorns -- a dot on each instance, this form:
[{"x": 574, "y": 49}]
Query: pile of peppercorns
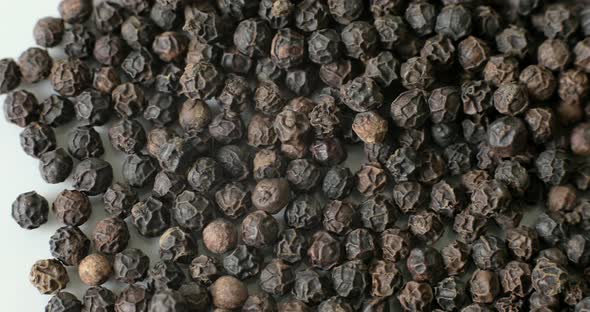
[{"x": 235, "y": 112}]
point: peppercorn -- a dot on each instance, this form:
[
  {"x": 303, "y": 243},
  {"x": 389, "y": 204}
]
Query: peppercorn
[
  {"x": 370, "y": 179},
  {"x": 165, "y": 274},
  {"x": 70, "y": 76},
  {"x": 191, "y": 211},
  {"x": 220, "y": 236},
  {"x": 63, "y": 302},
  {"x": 72, "y": 207},
  {"x": 21, "y": 108},
  {"x": 128, "y": 100},
  {"x": 10, "y": 75},
  {"x": 98, "y": 299},
  {"x": 69, "y": 245},
  {"x": 151, "y": 216},
  {"x": 324, "y": 251},
  {"x": 416, "y": 296},
  {"x": 130, "y": 266},
  {"x": 228, "y": 293},
  {"x": 133, "y": 298},
  {"x": 95, "y": 270},
  {"x": 111, "y": 235},
  {"x": 259, "y": 229}
]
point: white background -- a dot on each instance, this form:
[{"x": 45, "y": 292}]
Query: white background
[{"x": 19, "y": 173}]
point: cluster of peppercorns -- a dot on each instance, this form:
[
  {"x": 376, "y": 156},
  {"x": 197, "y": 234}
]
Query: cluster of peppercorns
[{"x": 234, "y": 112}]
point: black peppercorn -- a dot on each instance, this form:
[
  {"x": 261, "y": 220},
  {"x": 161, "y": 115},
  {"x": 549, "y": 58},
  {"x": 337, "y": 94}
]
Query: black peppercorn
[{"x": 130, "y": 266}]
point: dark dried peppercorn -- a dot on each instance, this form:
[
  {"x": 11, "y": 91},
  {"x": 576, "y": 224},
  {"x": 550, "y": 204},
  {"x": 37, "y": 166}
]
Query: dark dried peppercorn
[
  {"x": 445, "y": 198},
  {"x": 107, "y": 16},
  {"x": 424, "y": 264},
  {"x": 78, "y": 41},
  {"x": 55, "y": 166},
  {"x": 177, "y": 245},
  {"x": 69, "y": 77},
  {"x": 426, "y": 226},
  {"x": 403, "y": 164},
  {"x": 450, "y": 293},
  {"x": 37, "y": 139},
  {"x": 409, "y": 196},
  {"x": 324, "y": 46},
  {"x": 559, "y": 21},
  {"x": 63, "y": 302},
  {"x": 128, "y": 100},
  {"x": 10, "y": 75},
  {"x": 392, "y": 30},
  {"x": 205, "y": 175},
  {"x": 93, "y": 108},
  {"x": 421, "y": 17},
  {"x": 395, "y": 244},
  {"x": 56, "y": 111},
  {"x": 48, "y": 31},
  {"x": 127, "y": 136},
  {"x": 259, "y": 229},
  {"x": 409, "y": 109},
  {"x": 359, "y": 245},
  {"x": 553, "y": 166},
  {"x": 473, "y": 54},
  {"x": 139, "y": 170},
  {"x": 151, "y": 217},
  {"x": 303, "y": 174},
  {"x": 139, "y": 66},
  {"x": 235, "y": 162},
  {"x": 416, "y": 296},
  {"x": 337, "y": 73},
  {"x": 577, "y": 250},
  {"x": 515, "y": 278},
  {"x": 554, "y": 54},
  {"x": 386, "y": 278},
  {"x": 98, "y": 299},
  {"x": 523, "y": 242},
  {"x": 161, "y": 109},
  {"x": 276, "y": 278},
  {"x": 168, "y": 185},
  {"x": 226, "y": 128},
  {"x": 507, "y": 136},
  {"x": 455, "y": 256},
  {"x": 35, "y": 65},
  {"x": 204, "y": 270},
  {"x": 439, "y": 50},
  {"x": 21, "y": 108},
  {"x": 110, "y": 50},
  {"x": 137, "y": 32},
  {"x": 458, "y": 156},
  {"x": 169, "y": 46},
  {"x": 111, "y": 235},
  {"x": 370, "y": 179},
  {"x": 514, "y": 175},
  {"x": 236, "y": 95},
  {"x": 338, "y": 182},
  {"x": 194, "y": 116},
  {"x": 119, "y": 199},
  {"x": 573, "y": 84},
  {"x": 268, "y": 98},
  {"x": 489, "y": 253},
  {"x": 134, "y": 298},
  {"x": 324, "y": 251},
  {"x": 30, "y": 210},
  {"x": 195, "y": 296},
  {"x": 310, "y": 287},
  {"x": 454, "y": 21},
  {"x": 360, "y": 40},
  {"x": 484, "y": 286},
  {"x": 165, "y": 274},
  {"x": 490, "y": 198},
  {"x": 501, "y": 69},
  {"x": 549, "y": 278},
  {"x": 350, "y": 279},
  {"x": 75, "y": 11},
  {"x": 233, "y": 199},
  {"x": 417, "y": 73},
  {"x": 72, "y": 207},
  {"x": 268, "y": 164},
  {"x": 290, "y": 246},
  {"x": 167, "y": 81},
  {"x": 192, "y": 211},
  {"x": 243, "y": 262},
  {"x": 540, "y": 82},
  {"x": 339, "y": 217},
  {"x": 130, "y": 266},
  {"x": 468, "y": 225},
  {"x": 271, "y": 195},
  {"x": 288, "y": 48},
  {"x": 304, "y": 212},
  {"x": 511, "y": 99},
  {"x": 105, "y": 80}
]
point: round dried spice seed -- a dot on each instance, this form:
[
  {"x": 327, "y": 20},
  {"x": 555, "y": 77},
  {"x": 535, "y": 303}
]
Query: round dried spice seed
[
  {"x": 111, "y": 235},
  {"x": 93, "y": 176},
  {"x": 48, "y": 276},
  {"x": 454, "y": 21},
  {"x": 70, "y": 76},
  {"x": 72, "y": 207},
  {"x": 417, "y": 72},
  {"x": 56, "y": 111},
  {"x": 511, "y": 99},
  {"x": 580, "y": 139},
  {"x": 98, "y": 299},
  {"x": 271, "y": 195},
  {"x": 554, "y": 54},
  {"x": 204, "y": 270},
  {"x": 201, "y": 80},
  {"x": 35, "y": 65},
  {"x": 177, "y": 245},
  {"x": 21, "y": 108},
  {"x": 324, "y": 251},
  {"x": 10, "y": 75},
  {"x": 93, "y": 108},
  {"x": 370, "y": 127},
  {"x": 63, "y": 301},
  {"x": 360, "y": 39},
  {"x": 55, "y": 166},
  {"x": 220, "y": 236},
  {"x": 48, "y": 31},
  {"x": 151, "y": 217},
  {"x": 95, "y": 270},
  {"x": 288, "y": 48},
  {"x": 192, "y": 211},
  {"x": 276, "y": 278},
  {"x": 473, "y": 53},
  {"x": 259, "y": 229},
  {"x": 139, "y": 170},
  {"x": 69, "y": 245},
  {"x": 30, "y": 210},
  {"x": 409, "y": 109},
  {"x": 119, "y": 198},
  {"x": 501, "y": 69},
  {"x": 130, "y": 266},
  {"x": 37, "y": 139},
  {"x": 228, "y": 293},
  {"x": 371, "y": 178}
]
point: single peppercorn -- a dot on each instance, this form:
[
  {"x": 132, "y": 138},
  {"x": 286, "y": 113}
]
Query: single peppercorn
[
  {"x": 228, "y": 293},
  {"x": 177, "y": 245},
  {"x": 130, "y": 266},
  {"x": 220, "y": 236},
  {"x": 192, "y": 211},
  {"x": 111, "y": 235},
  {"x": 95, "y": 270},
  {"x": 243, "y": 262},
  {"x": 151, "y": 216},
  {"x": 63, "y": 302},
  {"x": 72, "y": 207},
  {"x": 10, "y": 75},
  {"x": 30, "y": 210}
]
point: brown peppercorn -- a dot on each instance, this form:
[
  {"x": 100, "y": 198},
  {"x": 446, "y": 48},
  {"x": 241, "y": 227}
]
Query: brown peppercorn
[
  {"x": 511, "y": 99},
  {"x": 49, "y": 276},
  {"x": 573, "y": 84},
  {"x": 259, "y": 229},
  {"x": 204, "y": 270},
  {"x": 370, "y": 179},
  {"x": 95, "y": 270},
  {"x": 473, "y": 53},
  {"x": 106, "y": 79},
  {"x": 580, "y": 139},
  {"x": 554, "y": 54},
  {"x": 48, "y": 31},
  {"x": 169, "y": 46},
  {"x": 484, "y": 286},
  {"x": 370, "y": 127},
  {"x": 539, "y": 81},
  {"x": 72, "y": 207},
  {"x": 220, "y": 236},
  {"x": 177, "y": 245},
  {"x": 111, "y": 235},
  {"x": 35, "y": 65},
  {"x": 194, "y": 116},
  {"x": 228, "y": 293},
  {"x": 501, "y": 69},
  {"x": 416, "y": 296},
  {"x": 271, "y": 195},
  {"x": 70, "y": 76},
  {"x": 324, "y": 251}
]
